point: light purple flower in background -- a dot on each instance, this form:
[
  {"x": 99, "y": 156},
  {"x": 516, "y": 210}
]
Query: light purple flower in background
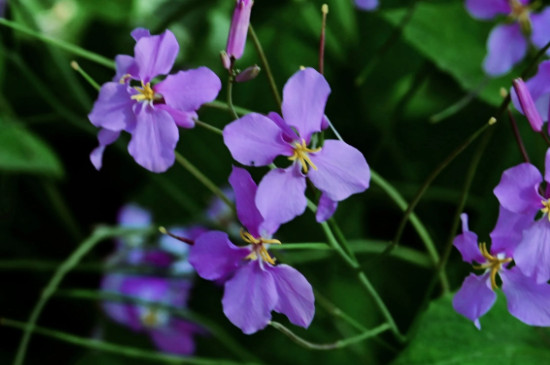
[
  {"x": 236, "y": 39},
  {"x": 508, "y": 43},
  {"x": 366, "y": 4},
  {"x": 151, "y": 114},
  {"x": 169, "y": 334},
  {"x": 337, "y": 169},
  {"x": 254, "y": 284},
  {"x": 520, "y": 190},
  {"x": 539, "y": 88},
  {"x": 527, "y": 300}
]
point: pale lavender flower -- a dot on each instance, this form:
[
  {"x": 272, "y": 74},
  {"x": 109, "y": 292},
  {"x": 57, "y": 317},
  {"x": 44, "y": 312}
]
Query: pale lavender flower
[
  {"x": 366, "y": 4},
  {"x": 508, "y": 43},
  {"x": 539, "y": 88},
  {"x": 254, "y": 284},
  {"x": 527, "y": 300},
  {"x": 337, "y": 169},
  {"x": 238, "y": 30},
  {"x": 151, "y": 114},
  {"x": 520, "y": 191}
]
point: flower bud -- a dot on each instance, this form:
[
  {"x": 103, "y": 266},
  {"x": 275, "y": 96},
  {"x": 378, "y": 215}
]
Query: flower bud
[
  {"x": 226, "y": 61},
  {"x": 239, "y": 29},
  {"x": 528, "y": 105},
  {"x": 248, "y": 74}
]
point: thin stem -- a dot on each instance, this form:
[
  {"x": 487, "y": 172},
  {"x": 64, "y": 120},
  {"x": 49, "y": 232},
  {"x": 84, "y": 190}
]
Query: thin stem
[
  {"x": 71, "y": 48},
  {"x": 230, "y": 97},
  {"x": 203, "y": 179},
  {"x": 131, "y": 352},
  {"x": 324, "y": 12},
  {"x": 209, "y": 127},
  {"x": 85, "y": 75},
  {"x": 223, "y": 106},
  {"x": 545, "y": 138},
  {"x": 330, "y": 346},
  {"x": 265, "y": 65},
  {"x": 86, "y": 246},
  {"x": 517, "y": 136},
  {"x": 460, "y": 104}
]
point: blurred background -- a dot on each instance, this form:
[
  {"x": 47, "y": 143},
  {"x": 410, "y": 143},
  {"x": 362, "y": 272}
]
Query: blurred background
[{"x": 394, "y": 74}]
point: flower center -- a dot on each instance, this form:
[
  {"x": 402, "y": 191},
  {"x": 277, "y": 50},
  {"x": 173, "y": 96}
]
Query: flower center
[
  {"x": 258, "y": 248},
  {"x": 494, "y": 263},
  {"x": 145, "y": 93},
  {"x": 546, "y": 207},
  {"x": 520, "y": 13},
  {"x": 301, "y": 153}
]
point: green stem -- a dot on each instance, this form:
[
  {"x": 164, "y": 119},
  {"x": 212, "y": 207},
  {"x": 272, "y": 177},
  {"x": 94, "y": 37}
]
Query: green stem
[
  {"x": 330, "y": 346},
  {"x": 223, "y": 106},
  {"x": 209, "y": 127},
  {"x": 85, "y": 75},
  {"x": 71, "y": 48},
  {"x": 203, "y": 179},
  {"x": 126, "y": 351},
  {"x": 86, "y": 246},
  {"x": 265, "y": 65},
  {"x": 230, "y": 97}
]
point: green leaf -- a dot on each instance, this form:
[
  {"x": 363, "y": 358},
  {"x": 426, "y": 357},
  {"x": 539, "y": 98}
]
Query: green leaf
[
  {"x": 446, "y": 337},
  {"x": 22, "y": 151},
  {"x": 447, "y": 35}
]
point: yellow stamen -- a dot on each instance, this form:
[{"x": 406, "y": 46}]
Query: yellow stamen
[
  {"x": 520, "y": 13},
  {"x": 150, "y": 319},
  {"x": 124, "y": 78},
  {"x": 301, "y": 154},
  {"x": 145, "y": 93},
  {"x": 546, "y": 209},
  {"x": 259, "y": 248},
  {"x": 493, "y": 264}
]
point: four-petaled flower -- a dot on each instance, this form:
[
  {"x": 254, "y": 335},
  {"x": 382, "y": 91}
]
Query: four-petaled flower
[
  {"x": 150, "y": 113},
  {"x": 508, "y": 43},
  {"x": 337, "y": 169},
  {"x": 527, "y": 300},
  {"x": 521, "y": 191},
  {"x": 254, "y": 284}
]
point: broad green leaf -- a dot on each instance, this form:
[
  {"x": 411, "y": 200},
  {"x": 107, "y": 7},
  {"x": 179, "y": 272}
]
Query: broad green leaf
[
  {"x": 445, "y": 337},
  {"x": 447, "y": 35},
  {"x": 22, "y": 151}
]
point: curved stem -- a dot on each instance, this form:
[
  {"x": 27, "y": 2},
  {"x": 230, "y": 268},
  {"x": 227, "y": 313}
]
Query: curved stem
[
  {"x": 223, "y": 106},
  {"x": 265, "y": 65},
  {"x": 230, "y": 97},
  {"x": 209, "y": 127}
]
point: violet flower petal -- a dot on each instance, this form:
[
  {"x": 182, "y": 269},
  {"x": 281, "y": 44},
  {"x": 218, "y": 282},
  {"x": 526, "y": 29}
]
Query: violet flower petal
[
  {"x": 540, "y": 90},
  {"x": 506, "y": 46},
  {"x": 487, "y": 9},
  {"x": 467, "y": 243},
  {"x": 289, "y": 135},
  {"x": 181, "y": 118},
  {"x": 508, "y": 231},
  {"x": 341, "y": 170},
  {"x": 125, "y": 65},
  {"x": 215, "y": 257},
  {"x": 281, "y": 197},
  {"x": 105, "y": 137},
  {"x": 139, "y": 33},
  {"x": 245, "y": 191},
  {"x": 532, "y": 254},
  {"x": 527, "y": 301},
  {"x": 517, "y": 190},
  {"x": 113, "y": 108},
  {"x": 174, "y": 338},
  {"x": 255, "y": 140},
  {"x": 366, "y": 4},
  {"x": 547, "y": 166},
  {"x": 236, "y": 39},
  {"x": 154, "y": 139},
  {"x": 325, "y": 208},
  {"x": 188, "y": 90},
  {"x": 155, "y": 55},
  {"x": 528, "y": 105},
  {"x": 118, "y": 311},
  {"x": 249, "y": 297},
  {"x": 540, "y": 24},
  {"x": 304, "y": 97},
  {"x": 474, "y": 298},
  {"x": 296, "y": 299},
  {"x": 133, "y": 216}
]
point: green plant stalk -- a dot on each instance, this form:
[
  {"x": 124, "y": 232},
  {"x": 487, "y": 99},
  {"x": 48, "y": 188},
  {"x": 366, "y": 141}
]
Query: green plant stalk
[
  {"x": 265, "y": 65},
  {"x": 203, "y": 179},
  {"x": 86, "y": 246},
  {"x": 209, "y": 127},
  {"x": 223, "y": 106},
  {"x": 330, "y": 346},
  {"x": 127, "y": 351},
  {"x": 71, "y": 48},
  {"x": 230, "y": 97},
  {"x": 85, "y": 75}
]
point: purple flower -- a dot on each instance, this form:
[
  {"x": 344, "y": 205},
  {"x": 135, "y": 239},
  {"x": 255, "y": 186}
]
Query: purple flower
[
  {"x": 150, "y": 113},
  {"x": 520, "y": 191},
  {"x": 254, "y": 284},
  {"x": 527, "y": 104},
  {"x": 238, "y": 30},
  {"x": 539, "y": 89},
  {"x": 366, "y": 4},
  {"x": 527, "y": 300},
  {"x": 169, "y": 334},
  {"x": 337, "y": 169},
  {"x": 508, "y": 43}
]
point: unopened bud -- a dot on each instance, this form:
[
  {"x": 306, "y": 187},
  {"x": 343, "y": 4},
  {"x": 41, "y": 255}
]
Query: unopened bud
[
  {"x": 226, "y": 60},
  {"x": 248, "y": 74},
  {"x": 528, "y": 105}
]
